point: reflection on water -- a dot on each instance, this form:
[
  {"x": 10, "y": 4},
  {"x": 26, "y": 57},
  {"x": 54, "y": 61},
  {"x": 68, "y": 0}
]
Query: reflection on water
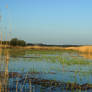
[{"x": 43, "y": 71}]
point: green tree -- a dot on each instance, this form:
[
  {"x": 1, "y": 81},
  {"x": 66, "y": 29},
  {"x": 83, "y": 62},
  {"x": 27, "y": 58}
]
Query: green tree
[{"x": 16, "y": 42}]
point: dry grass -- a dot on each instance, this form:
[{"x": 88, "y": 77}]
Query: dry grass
[{"x": 84, "y": 49}]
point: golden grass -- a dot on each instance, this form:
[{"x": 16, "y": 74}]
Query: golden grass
[
  {"x": 86, "y": 49},
  {"x": 44, "y": 47}
]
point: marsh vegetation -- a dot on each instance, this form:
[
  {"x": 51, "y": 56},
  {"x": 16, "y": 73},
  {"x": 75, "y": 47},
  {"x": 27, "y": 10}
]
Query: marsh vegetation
[{"x": 23, "y": 70}]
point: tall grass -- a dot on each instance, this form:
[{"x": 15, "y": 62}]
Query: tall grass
[{"x": 4, "y": 80}]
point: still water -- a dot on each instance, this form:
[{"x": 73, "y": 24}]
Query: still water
[{"x": 34, "y": 70}]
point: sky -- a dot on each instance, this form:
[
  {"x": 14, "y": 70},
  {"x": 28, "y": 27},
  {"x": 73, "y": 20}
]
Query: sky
[{"x": 48, "y": 21}]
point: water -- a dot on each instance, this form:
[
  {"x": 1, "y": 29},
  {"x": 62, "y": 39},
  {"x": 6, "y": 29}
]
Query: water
[{"x": 59, "y": 66}]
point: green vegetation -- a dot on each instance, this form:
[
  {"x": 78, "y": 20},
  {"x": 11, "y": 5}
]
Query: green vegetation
[
  {"x": 58, "y": 56},
  {"x": 17, "y": 42},
  {"x": 63, "y": 57},
  {"x": 14, "y": 42}
]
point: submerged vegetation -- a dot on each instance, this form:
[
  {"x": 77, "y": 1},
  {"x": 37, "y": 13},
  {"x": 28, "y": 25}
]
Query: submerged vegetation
[{"x": 52, "y": 56}]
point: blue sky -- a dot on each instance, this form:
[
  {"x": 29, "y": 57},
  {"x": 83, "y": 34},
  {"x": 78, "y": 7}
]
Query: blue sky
[{"x": 49, "y": 21}]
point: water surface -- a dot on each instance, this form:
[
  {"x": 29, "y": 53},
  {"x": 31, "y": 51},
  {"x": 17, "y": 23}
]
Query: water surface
[{"x": 61, "y": 66}]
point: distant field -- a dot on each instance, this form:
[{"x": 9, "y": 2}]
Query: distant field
[{"x": 84, "y": 49}]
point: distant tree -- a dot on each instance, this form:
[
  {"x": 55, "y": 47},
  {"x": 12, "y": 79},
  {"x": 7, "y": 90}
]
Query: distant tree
[
  {"x": 5, "y": 42},
  {"x": 13, "y": 42},
  {"x": 16, "y": 42}
]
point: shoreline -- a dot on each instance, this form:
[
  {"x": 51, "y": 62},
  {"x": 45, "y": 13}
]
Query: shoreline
[{"x": 83, "y": 49}]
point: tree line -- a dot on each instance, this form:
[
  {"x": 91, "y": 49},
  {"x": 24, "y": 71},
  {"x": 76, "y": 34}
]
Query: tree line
[
  {"x": 18, "y": 42},
  {"x": 14, "y": 42}
]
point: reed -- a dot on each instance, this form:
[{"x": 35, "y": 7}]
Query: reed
[{"x": 63, "y": 60}]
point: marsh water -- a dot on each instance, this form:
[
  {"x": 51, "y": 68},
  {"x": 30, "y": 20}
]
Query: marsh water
[{"x": 34, "y": 70}]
